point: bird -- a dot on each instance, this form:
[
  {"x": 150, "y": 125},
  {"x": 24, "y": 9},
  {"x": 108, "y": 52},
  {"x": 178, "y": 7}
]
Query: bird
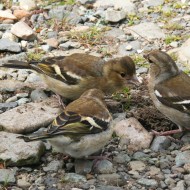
[
  {"x": 70, "y": 76},
  {"x": 83, "y": 128},
  {"x": 169, "y": 88}
]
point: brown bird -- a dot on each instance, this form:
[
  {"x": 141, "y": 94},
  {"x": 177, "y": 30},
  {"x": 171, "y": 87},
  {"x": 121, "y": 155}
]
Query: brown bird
[
  {"x": 169, "y": 89},
  {"x": 81, "y": 129},
  {"x": 72, "y": 75}
]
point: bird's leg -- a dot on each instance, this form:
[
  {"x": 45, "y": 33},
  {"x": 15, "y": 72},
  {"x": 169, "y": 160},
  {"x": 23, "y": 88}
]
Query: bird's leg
[
  {"x": 61, "y": 103},
  {"x": 166, "y": 133}
]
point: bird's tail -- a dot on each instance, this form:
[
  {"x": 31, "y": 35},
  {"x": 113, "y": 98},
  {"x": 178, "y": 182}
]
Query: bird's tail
[
  {"x": 21, "y": 65},
  {"x": 38, "y": 135}
]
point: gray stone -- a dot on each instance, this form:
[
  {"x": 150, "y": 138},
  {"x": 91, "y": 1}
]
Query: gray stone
[
  {"x": 108, "y": 187},
  {"x": 47, "y": 48},
  {"x": 23, "y": 183},
  {"x": 54, "y": 166},
  {"x": 104, "y": 167},
  {"x": 23, "y": 101},
  {"x": 33, "y": 78},
  {"x": 126, "y": 5},
  {"x": 19, "y": 57},
  {"x": 69, "y": 44},
  {"x": 83, "y": 166},
  {"x": 114, "y": 16},
  {"x": 182, "y": 158},
  {"x": 111, "y": 179},
  {"x": 72, "y": 177},
  {"x": 160, "y": 143},
  {"x": 141, "y": 156},
  {"x": 8, "y": 35},
  {"x": 142, "y": 70},
  {"x": 147, "y": 30},
  {"x": 30, "y": 117},
  {"x": 16, "y": 152},
  {"x": 180, "y": 185},
  {"x": 4, "y": 27},
  {"x": 186, "y": 138},
  {"x": 148, "y": 182},
  {"x": 26, "y": 33},
  {"x": 153, "y": 3},
  {"x": 7, "y": 45},
  {"x": 58, "y": 12},
  {"x": 122, "y": 158},
  {"x": 7, "y": 106},
  {"x": 114, "y": 33},
  {"x": 7, "y": 176},
  {"x": 38, "y": 95},
  {"x": 187, "y": 179}
]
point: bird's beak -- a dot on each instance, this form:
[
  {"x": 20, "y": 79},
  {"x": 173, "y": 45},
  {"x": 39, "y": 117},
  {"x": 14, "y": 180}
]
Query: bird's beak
[{"x": 133, "y": 80}]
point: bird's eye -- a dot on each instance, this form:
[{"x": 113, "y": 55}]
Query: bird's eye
[{"x": 122, "y": 75}]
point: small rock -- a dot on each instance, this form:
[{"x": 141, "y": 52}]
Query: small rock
[
  {"x": 75, "y": 178},
  {"x": 52, "y": 42},
  {"x": 160, "y": 143},
  {"x": 180, "y": 185},
  {"x": 5, "y": 27},
  {"x": 27, "y": 5},
  {"x": 148, "y": 182},
  {"x": 7, "y": 45},
  {"x": 182, "y": 158},
  {"x": 129, "y": 48},
  {"x": 122, "y": 158},
  {"x": 114, "y": 16},
  {"x": 23, "y": 183},
  {"x": 110, "y": 179},
  {"x": 104, "y": 167},
  {"x": 22, "y": 95},
  {"x": 6, "y": 15},
  {"x": 10, "y": 36},
  {"x": 23, "y": 101},
  {"x": 107, "y": 187},
  {"x": 11, "y": 99},
  {"x": 16, "y": 152},
  {"x": 47, "y": 48},
  {"x": 7, "y": 176},
  {"x": 54, "y": 166},
  {"x": 187, "y": 179},
  {"x": 8, "y": 106},
  {"x": 153, "y": 3},
  {"x": 174, "y": 44},
  {"x": 130, "y": 130},
  {"x": 187, "y": 167},
  {"x": 21, "y": 13},
  {"x": 33, "y": 78},
  {"x": 83, "y": 166},
  {"x": 137, "y": 166},
  {"x": 26, "y": 33},
  {"x": 38, "y": 95}
]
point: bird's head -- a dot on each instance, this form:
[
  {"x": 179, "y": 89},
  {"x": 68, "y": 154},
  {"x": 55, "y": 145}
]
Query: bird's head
[
  {"x": 121, "y": 70},
  {"x": 162, "y": 62}
]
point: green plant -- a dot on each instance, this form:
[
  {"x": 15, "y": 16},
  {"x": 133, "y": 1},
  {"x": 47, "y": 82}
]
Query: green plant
[
  {"x": 36, "y": 55},
  {"x": 172, "y": 38},
  {"x": 139, "y": 60},
  {"x": 173, "y": 26},
  {"x": 132, "y": 18},
  {"x": 177, "y": 5}
]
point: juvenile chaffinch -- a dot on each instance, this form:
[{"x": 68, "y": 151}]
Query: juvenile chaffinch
[
  {"x": 169, "y": 89},
  {"x": 81, "y": 129},
  {"x": 72, "y": 75}
]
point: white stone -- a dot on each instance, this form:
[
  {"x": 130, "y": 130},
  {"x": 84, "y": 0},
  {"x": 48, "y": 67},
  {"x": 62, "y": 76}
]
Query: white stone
[
  {"x": 132, "y": 134},
  {"x": 6, "y": 15},
  {"x": 10, "y": 36},
  {"x": 27, "y": 4},
  {"x": 114, "y": 16},
  {"x": 23, "y": 31}
]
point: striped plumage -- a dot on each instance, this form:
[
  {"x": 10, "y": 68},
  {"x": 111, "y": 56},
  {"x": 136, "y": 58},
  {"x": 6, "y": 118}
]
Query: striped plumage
[
  {"x": 83, "y": 123},
  {"x": 169, "y": 89},
  {"x": 72, "y": 75}
]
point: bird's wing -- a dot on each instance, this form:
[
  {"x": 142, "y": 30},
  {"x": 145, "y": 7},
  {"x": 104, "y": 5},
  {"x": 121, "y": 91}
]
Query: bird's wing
[{"x": 175, "y": 92}]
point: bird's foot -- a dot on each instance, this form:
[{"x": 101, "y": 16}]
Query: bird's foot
[{"x": 166, "y": 133}]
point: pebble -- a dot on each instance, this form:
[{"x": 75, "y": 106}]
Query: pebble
[
  {"x": 7, "y": 45},
  {"x": 83, "y": 166},
  {"x": 11, "y": 99},
  {"x": 104, "y": 167},
  {"x": 23, "y": 101},
  {"x": 8, "y": 106},
  {"x": 73, "y": 177},
  {"x": 148, "y": 182},
  {"x": 38, "y": 95},
  {"x": 7, "y": 176},
  {"x": 122, "y": 158},
  {"x": 160, "y": 143},
  {"x": 54, "y": 166},
  {"x": 182, "y": 158}
]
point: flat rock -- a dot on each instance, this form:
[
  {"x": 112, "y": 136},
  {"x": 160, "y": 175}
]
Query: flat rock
[
  {"x": 132, "y": 134},
  {"x": 153, "y": 3},
  {"x": 16, "y": 152},
  {"x": 4, "y": 27},
  {"x": 160, "y": 143},
  {"x": 29, "y": 117},
  {"x": 114, "y": 16},
  {"x": 27, "y": 4},
  {"x": 26, "y": 33},
  {"x": 6, "y": 15},
  {"x": 7, "y": 176},
  {"x": 182, "y": 158},
  {"x": 147, "y": 30},
  {"x": 8, "y": 45}
]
